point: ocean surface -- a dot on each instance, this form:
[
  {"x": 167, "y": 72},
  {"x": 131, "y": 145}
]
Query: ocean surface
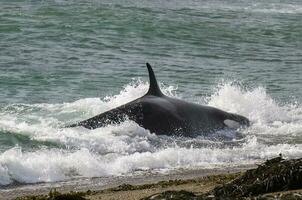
[{"x": 65, "y": 61}]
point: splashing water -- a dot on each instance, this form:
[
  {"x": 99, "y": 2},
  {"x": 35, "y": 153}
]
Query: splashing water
[{"x": 37, "y": 149}]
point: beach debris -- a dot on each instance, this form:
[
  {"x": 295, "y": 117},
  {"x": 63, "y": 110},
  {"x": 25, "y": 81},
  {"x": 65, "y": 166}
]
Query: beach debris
[
  {"x": 280, "y": 196},
  {"x": 274, "y": 175},
  {"x": 175, "y": 195}
]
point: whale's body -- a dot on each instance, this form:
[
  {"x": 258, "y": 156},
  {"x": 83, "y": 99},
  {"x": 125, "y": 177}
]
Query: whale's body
[{"x": 165, "y": 115}]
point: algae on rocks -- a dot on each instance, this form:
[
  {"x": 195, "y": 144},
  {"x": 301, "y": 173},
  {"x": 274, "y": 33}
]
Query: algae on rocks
[{"x": 273, "y": 176}]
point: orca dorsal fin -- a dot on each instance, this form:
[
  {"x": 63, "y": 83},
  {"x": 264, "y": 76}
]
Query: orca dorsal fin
[{"x": 153, "y": 88}]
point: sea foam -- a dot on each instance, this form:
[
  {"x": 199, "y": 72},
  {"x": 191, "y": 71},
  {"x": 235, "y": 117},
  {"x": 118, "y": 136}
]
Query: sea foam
[{"x": 127, "y": 148}]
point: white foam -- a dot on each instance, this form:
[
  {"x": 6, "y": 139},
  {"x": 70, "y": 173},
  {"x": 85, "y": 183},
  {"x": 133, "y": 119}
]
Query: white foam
[
  {"x": 55, "y": 165},
  {"x": 126, "y": 148},
  {"x": 267, "y": 116}
]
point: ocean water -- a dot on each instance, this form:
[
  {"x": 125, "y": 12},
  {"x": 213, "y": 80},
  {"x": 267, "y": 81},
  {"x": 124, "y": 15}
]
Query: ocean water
[{"x": 64, "y": 61}]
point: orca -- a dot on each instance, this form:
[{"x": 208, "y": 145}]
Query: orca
[{"x": 165, "y": 115}]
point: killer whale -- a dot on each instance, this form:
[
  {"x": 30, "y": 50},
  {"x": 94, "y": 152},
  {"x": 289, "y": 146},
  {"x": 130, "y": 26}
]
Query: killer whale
[{"x": 161, "y": 114}]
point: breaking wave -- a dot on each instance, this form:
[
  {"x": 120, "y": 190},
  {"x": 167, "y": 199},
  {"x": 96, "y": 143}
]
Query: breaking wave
[{"x": 40, "y": 150}]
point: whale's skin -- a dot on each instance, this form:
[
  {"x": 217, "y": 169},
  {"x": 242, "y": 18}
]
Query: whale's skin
[{"x": 165, "y": 115}]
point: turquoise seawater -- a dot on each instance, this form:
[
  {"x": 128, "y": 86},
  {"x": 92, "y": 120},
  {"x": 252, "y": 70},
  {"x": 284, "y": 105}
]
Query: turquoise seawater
[{"x": 63, "y": 61}]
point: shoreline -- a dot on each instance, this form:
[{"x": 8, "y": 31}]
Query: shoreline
[
  {"x": 138, "y": 191},
  {"x": 104, "y": 183},
  {"x": 276, "y": 178}
]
